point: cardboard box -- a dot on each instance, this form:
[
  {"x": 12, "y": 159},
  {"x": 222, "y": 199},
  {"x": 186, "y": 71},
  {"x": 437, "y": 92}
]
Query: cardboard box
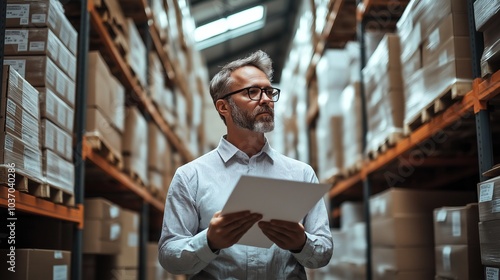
[
  {"x": 459, "y": 262},
  {"x": 397, "y": 201},
  {"x": 105, "y": 92},
  {"x": 129, "y": 241},
  {"x": 158, "y": 151},
  {"x": 19, "y": 114},
  {"x": 56, "y": 140},
  {"x": 449, "y": 50},
  {"x": 101, "y": 237},
  {"x": 100, "y": 208},
  {"x": 56, "y": 110},
  {"x": 404, "y": 230},
  {"x": 97, "y": 125},
  {"x": 489, "y": 199},
  {"x": 456, "y": 225},
  {"x": 40, "y": 41},
  {"x": 58, "y": 172},
  {"x": 489, "y": 231},
  {"x": 155, "y": 180},
  {"x": 135, "y": 144},
  {"x": 137, "y": 54},
  {"x": 44, "y": 13},
  {"x": 403, "y": 258},
  {"x": 41, "y": 71},
  {"x": 403, "y": 275},
  {"x": 37, "y": 264},
  {"x": 27, "y": 160}
]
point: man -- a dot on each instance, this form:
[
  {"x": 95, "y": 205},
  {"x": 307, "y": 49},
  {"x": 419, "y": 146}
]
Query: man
[{"x": 196, "y": 239}]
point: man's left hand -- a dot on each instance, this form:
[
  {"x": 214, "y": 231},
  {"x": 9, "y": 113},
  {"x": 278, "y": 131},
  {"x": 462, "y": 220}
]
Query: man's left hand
[{"x": 287, "y": 235}]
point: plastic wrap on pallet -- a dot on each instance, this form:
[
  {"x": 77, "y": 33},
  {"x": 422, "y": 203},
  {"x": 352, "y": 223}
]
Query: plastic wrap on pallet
[
  {"x": 135, "y": 56},
  {"x": 55, "y": 109},
  {"x": 17, "y": 119},
  {"x": 484, "y": 13},
  {"x": 353, "y": 126},
  {"x": 41, "y": 71},
  {"x": 105, "y": 92},
  {"x": 383, "y": 90},
  {"x": 135, "y": 144},
  {"x": 42, "y": 13},
  {"x": 56, "y": 139},
  {"x": 489, "y": 199},
  {"x": 489, "y": 231},
  {"x": 27, "y": 160},
  {"x": 157, "y": 149},
  {"x": 40, "y": 41},
  {"x": 490, "y": 61},
  {"x": 435, "y": 11},
  {"x": 58, "y": 172}
]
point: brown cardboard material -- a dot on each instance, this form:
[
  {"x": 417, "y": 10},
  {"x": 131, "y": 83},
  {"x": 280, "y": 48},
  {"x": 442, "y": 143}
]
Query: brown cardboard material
[
  {"x": 489, "y": 231},
  {"x": 404, "y": 230},
  {"x": 98, "y": 126},
  {"x": 403, "y": 275},
  {"x": 403, "y": 258},
  {"x": 135, "y": 57},
  {"x": 489, "y": 199},
  {"x": 56, "y": 140},
  {"x": 41, "y": 71},
  {"x": 451, "y": 49},
  {"x": 40, "y": 41},
  {"x": 397, "y": 201},
  {"x": 27, "y": 160},
  {"x": 456, "y": 225},
  {"x": 56, "y": 110},
  {"x": 458, "y": 262},
  {"x": 100, "y": 208},
  {"x": 157, "y": 149},
  {"x": 135, "y": 144},
  {"x": 454, "y": 25},
  {"x": 37, "y": 264},
  {"x": 129, "y": 240},
  {"x": 101, "y": 237},
  {"x": 105, "y": 92},
  {"x": 44, "y": 13},
  {"x": 58, "y": 172},
  {"x": 19, "y": 114}
]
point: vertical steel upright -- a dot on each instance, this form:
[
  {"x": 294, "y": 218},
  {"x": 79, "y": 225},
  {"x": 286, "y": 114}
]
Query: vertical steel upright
[
  {"x": 3, "y": 18},
  {"x": 143, "y": 240},
  {"x": 483, "y": 129},
  {"x": 367, "y": 190},
  {"x": 81, "y": 90}
]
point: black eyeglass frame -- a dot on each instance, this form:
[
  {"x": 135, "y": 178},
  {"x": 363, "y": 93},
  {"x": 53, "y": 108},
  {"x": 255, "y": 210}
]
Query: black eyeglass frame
[{"x": 278, "y": 91}]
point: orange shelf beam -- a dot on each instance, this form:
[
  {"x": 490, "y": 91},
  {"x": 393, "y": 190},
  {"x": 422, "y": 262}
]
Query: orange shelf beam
[
  {"x": 131, "y": 82},
  {"x": 38, "y": 206},
  {"x": 124, "y": 180},
  {"x": 483, "y": 90}
]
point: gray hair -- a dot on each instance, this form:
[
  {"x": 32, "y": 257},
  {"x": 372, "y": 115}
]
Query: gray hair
[{"x": 221, "y": 82}]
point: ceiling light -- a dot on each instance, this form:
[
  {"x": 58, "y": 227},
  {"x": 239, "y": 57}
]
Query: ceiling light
[{"x": 227, "y": 28}]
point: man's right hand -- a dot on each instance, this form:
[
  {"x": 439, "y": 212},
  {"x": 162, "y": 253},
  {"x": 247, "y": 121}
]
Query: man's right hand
[{"x": 225, "y": 230}]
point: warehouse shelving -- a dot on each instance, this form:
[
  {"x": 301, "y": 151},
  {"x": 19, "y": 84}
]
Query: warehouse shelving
[{"x": 470, "y": 115}]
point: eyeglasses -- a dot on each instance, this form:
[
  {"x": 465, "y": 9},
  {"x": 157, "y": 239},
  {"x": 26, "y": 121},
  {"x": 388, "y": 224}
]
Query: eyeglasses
[{"x": 255, "y": 93}]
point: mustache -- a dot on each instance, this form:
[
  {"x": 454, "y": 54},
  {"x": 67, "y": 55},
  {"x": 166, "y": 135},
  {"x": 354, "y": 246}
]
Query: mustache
[{"x": 264, "y": 109}]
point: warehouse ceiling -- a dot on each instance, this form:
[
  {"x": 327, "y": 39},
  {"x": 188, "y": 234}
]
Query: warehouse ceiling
[{"x": 274, "y": 38}]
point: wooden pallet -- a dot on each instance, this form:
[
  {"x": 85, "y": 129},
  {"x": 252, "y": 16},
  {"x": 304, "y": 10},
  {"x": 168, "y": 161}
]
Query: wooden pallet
[
  {"x": 37, "y": 188},
  {"x": 136, "y": 178},
  {"x": 390, "y": 141},
  {"x": 451, "y": 95},
  {"x": 99, "y": 145},
  {"x": 353, "y": 169}
]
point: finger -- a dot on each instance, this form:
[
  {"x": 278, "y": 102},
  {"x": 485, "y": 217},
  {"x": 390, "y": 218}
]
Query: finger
[{"x": 242, "y": 225}]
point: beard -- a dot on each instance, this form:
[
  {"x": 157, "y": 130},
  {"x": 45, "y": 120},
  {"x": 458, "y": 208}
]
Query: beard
[{"x": 249, "y": 121}]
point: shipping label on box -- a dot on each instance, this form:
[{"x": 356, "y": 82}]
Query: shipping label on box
[{"x": 489, "y": 199}]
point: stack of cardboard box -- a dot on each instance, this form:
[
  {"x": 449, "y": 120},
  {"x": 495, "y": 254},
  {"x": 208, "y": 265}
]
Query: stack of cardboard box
[
  {"x": 489, "y": 224},
  {"x": 402, "y": 231},
  {"x": 41, "y": 45},
  {"x": 487, "y": 19},
  {"x": 135, "y": 146},
  {"x": 159, "y": 161},
  {"x": 456, "y": 239}
]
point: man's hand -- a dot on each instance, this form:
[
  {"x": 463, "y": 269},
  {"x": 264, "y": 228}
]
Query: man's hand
[
  {"x": 225, "y": 230},
  {"x": 287, "y": 235}
]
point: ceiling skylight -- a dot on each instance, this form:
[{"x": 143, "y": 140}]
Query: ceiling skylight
[{"x": 235, "y": 25}]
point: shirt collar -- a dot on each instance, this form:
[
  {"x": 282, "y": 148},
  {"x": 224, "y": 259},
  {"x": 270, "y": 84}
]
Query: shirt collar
[{"x": 227, "y": 150}]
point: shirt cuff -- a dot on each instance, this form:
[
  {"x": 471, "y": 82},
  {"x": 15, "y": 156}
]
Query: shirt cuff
[
  {"x": 307, "y": 251},
  {"x": 204, "y": 252}
]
